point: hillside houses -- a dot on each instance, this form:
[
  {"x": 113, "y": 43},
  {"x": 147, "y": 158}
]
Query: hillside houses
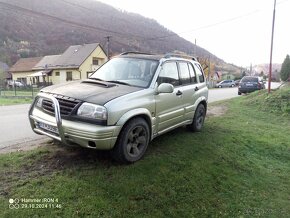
[{"x": 77, "y": 62}]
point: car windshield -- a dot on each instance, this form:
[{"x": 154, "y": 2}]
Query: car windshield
[{"x": 127, "y": 71}]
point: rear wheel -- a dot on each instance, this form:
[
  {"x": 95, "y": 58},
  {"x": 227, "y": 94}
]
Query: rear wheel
[
  {"x": 198, "y": 119},
  {"x": 132, "y": 141},
  {"x": 239, "y": 93}
]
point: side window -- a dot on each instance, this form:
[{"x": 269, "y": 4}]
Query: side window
[
  {"x": 198, "y": 70},
  {"x": 184, "y": 73},
  {"x": 192, "y": 74},
  {"x": 169, "y": 74}
]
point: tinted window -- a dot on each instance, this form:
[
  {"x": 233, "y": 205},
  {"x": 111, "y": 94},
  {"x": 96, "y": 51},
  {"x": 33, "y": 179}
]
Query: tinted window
[
  {"x": 184, "y": 73},
  {"x": 169, "y": 74},
  {"x": 192, "y": 74},
  {"x": 198, "y": 70},
  {"x": 249, "y": 79}
]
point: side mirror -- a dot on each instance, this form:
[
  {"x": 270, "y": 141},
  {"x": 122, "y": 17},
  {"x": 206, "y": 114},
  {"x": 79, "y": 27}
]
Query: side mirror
[{"x": 165, "y": 88}]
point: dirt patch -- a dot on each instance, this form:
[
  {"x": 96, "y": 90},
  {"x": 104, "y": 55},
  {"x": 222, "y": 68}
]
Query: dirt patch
[
  {"x": 217, "y": 110},
  {"x": 25, "y": 145},
  {"x": 55, "y": 158}
]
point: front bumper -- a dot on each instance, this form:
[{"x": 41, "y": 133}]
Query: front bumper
[{"x": 71, "y": 132}]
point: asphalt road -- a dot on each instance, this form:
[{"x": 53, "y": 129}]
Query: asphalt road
[{"x": 15, "y": 127}]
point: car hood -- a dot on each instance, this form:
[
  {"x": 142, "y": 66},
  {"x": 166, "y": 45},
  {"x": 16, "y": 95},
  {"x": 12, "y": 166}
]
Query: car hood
[{"x": 97, "y": 92}]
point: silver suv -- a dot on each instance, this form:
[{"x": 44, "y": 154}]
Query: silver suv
[{"x": 125, "y": 104}]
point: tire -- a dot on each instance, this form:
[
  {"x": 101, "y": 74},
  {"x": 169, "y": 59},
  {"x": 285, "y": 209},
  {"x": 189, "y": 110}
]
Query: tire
[
  {"x": 198, "y": 119},
  {"x": 132, "y": 141},
  {"x": 219, "y": 86},
  {"x": 239, "y": 93},
  {"x": 232, "y": 85}
]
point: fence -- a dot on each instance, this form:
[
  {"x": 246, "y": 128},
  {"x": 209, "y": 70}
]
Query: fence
[{"x": 18, "y": 92}]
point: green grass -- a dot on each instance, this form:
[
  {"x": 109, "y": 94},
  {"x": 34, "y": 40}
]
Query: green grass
[
  {"x": 12, "y": 101},
  {"x": 278, "y": 101},
  {"x": 237, "y": 167}
]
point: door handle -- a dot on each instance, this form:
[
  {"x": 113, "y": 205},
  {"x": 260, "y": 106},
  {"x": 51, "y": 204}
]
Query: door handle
[
  {"x": 178, "y": 93},
  {"x": 196, "y": 89}
]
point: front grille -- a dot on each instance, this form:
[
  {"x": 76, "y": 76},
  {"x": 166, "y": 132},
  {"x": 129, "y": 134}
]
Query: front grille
[{"x": 66, "y": 104}]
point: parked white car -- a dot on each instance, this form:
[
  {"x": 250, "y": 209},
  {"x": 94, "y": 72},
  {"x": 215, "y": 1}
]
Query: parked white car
[{"x": 15, "y": 83}]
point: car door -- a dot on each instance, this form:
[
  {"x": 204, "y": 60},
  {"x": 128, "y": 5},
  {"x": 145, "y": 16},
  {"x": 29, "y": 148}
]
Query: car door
[
  {"x": 189, "y": 89},
  {"x": 201, "y": 85},
  {"x": 169, "y": 106}
]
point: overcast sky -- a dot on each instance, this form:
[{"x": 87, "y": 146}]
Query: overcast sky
[{"x": 238, "y": 31}]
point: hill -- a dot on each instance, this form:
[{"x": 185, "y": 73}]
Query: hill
[{"x": 31, "y": 28}]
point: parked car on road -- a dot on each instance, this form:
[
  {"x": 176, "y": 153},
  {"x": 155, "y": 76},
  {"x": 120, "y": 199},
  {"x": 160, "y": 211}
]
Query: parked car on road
[
  {"x": 237, "y": 82},
  {"x": 250, "y": 84},
  {"x": 126, "y": 103},
  {"x": 225, "y": 83},
  {"x": 15, "y": 83}
]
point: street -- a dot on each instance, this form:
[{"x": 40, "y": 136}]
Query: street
[{"x": 15, "y": 127}]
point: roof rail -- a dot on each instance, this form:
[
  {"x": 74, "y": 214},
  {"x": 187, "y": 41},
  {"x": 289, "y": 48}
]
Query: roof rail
[
  {"x": 134, "y": 52},
  {"x": 170, "y": 55}
]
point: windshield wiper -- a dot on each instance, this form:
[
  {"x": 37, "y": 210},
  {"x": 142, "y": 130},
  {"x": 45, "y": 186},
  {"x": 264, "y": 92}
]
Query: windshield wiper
[{"x": 118, "y": 82}]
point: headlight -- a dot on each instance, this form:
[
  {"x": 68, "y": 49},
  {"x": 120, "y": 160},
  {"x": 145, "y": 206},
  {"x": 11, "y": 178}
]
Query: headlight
[{"x": 92, "y": 111}]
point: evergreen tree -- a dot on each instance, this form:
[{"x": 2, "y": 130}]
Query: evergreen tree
[{"x": 285, "y": 69}]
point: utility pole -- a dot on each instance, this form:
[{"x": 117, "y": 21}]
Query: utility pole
[
  {"x": 271, "y": 51},
  {"x": 108, "y": 46}
]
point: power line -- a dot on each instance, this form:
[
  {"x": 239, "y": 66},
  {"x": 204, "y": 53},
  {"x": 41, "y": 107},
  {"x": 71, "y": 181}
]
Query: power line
[
  {"x": 50, "y": 17},
  {"x": 121, "y": 34},
  {"x": 214, "y": 24}
]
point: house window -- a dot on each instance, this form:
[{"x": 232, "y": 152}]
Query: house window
[
  {"x": 68, "y": 76},
  {"x": 95, "y": 61},
  {"x": 56, "y": 73}
]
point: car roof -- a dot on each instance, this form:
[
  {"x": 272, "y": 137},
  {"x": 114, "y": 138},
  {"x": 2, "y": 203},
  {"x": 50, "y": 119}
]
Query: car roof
[{"x": 156, "y": 56}]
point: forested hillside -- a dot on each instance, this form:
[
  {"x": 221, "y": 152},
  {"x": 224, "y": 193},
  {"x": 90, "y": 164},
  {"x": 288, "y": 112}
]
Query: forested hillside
[{"x": 31, "y": 28}]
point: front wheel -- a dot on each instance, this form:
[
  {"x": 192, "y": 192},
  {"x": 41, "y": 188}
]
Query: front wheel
[
  {"x": 132, "y": 141},
  {"x": 198, "y": 119}
]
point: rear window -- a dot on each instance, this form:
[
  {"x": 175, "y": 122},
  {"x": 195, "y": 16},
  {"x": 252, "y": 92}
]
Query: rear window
[{"x": 250, "y": 79}]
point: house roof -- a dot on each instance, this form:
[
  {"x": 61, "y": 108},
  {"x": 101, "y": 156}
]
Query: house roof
[
  {"x": 46, "y": 62},
  {"x": 74, "y": 56},
  {"x": 24, "y": 64}
]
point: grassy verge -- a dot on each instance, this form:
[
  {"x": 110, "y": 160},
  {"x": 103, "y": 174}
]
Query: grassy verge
[
  {"x": 237, "y": 167},
  {"x": 277, "y": 102},
  {"x": 12, "y": 101}
]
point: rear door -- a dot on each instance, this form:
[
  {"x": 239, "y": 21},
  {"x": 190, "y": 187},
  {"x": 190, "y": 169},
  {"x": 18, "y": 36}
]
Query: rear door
[
  {"x": 201, "y": 85},
  {"x": 189, "y": 89},
  {"x": 169, "y": 106}
]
